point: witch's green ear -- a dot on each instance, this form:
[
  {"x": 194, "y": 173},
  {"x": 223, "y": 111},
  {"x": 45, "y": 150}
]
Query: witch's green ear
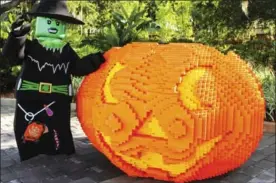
[{"x": 49, "y": 27}]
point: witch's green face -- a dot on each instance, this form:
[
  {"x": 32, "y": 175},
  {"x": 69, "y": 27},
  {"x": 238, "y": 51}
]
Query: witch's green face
[{"x": 49, "y": 28}]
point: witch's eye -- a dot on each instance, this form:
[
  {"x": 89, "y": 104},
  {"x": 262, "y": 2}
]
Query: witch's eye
[
  {"x": 49, "y": 22},
  {"x": 57, "y": 23}
]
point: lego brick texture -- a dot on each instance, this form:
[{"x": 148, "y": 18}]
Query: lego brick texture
[{"x": 176, "y": 112}]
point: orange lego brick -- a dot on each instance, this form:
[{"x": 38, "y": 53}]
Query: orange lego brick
[{"x": 178, "y": 112}]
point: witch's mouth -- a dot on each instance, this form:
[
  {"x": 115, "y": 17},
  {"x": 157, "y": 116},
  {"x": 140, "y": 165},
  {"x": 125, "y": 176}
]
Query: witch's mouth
[{"x": 52, "y": 30}]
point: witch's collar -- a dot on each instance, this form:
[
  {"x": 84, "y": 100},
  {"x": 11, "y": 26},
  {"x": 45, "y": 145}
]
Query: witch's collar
[{"x": 52, "y": 44}]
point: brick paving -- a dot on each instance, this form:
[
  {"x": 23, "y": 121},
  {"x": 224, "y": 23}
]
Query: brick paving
[{"x": 90, "y": 166}]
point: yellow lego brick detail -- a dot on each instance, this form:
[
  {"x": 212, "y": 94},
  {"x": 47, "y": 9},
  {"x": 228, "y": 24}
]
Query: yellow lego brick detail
[
  {"x": 151, "y": 159},
  {"x": 107, "y": 139},
  {"x": 107, "y": 93},
  {"x": 188, "y": 86},
  {"x": 153, "y": 128}
]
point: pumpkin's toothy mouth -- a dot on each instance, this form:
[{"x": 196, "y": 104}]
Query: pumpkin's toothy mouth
[{"x": 155, "y": 160}]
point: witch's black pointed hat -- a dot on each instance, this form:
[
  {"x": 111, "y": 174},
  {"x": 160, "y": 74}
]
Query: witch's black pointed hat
[{"x": 54, "y": 9}]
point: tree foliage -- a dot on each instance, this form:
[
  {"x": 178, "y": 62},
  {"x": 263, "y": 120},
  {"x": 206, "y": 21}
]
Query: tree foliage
[{"x": 123, "y": 27}]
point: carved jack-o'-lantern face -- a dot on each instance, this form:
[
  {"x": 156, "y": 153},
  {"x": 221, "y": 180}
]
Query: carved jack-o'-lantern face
[{"x": 176, "y": 112}]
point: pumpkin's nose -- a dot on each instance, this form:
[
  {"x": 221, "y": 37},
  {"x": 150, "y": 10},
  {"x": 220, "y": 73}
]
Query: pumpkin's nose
[{"x": 152, "y": 128}]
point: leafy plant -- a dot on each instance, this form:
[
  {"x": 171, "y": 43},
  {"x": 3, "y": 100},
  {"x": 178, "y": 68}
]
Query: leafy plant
[
  {"x": 268, "y": 80},
  {"x": 6, "y": 19},
  {"x": 7, "y": 80},
  {"x": 76, "y": 82},
  {"x": 166, "y": 18},
  {"x": 257, "y": 52},
  {"x": 183, "y": 10},
  {"x": 122, "y": 29}
]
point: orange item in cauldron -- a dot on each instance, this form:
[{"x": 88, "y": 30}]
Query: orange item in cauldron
[
  {"x": 175, "y": 112},
  {"x": 34, "y": 131}
]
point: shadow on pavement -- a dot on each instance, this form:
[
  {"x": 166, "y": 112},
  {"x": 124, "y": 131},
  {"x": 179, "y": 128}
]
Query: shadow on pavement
[{"x": 90, "y": 164}]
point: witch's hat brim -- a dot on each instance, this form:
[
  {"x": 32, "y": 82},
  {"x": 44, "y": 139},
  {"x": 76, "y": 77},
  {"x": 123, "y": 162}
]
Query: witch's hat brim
[
  {"x": 65, "y": 18},
  {"x": 54, "y": 9}
]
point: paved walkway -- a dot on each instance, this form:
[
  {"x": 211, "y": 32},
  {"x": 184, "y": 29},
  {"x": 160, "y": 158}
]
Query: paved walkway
[{"x": 89, "y": 166}]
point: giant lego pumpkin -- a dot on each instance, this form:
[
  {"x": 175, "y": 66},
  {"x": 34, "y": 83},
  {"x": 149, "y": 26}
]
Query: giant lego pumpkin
[{"x": 174, "y": 112}]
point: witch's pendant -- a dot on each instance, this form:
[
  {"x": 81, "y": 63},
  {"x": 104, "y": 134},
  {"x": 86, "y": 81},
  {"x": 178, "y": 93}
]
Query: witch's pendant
[{"x": 48, "y": 111}]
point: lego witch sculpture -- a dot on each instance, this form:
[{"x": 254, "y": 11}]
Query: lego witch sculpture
[{"x": 44, "y": 88}]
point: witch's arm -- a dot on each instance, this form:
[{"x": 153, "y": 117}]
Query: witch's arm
[
  {"x": 86, "y": 65},
  {"x": 14, "y": 47}
]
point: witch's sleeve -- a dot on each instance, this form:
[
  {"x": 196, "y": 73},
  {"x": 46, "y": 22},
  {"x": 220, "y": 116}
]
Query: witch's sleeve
[
  {"x": 14, "y": 49},
  {"x": 86, "y": 65}
]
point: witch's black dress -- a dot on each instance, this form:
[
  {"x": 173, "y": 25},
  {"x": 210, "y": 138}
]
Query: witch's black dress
[{"x": 44, "y": 85}]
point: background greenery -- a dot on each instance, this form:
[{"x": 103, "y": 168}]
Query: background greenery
[{"x": 246, "y": 27}]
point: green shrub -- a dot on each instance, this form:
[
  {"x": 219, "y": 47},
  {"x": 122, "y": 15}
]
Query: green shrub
[
  {"x": 7, "y": 79},
  {"x": 267, "y": 77},
  {"x": 76, "y": 82},
  {"x": 257, "y": 52},
  {"x": 124, "y": 27}
]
